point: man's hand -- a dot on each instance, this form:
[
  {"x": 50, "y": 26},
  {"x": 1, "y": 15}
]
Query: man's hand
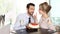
[{"x": 35, "y": 17}]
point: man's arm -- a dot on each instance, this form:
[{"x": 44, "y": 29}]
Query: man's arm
[{"x": 17, "y": 23}]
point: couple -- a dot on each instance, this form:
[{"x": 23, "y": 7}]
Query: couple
[{"x": 23, "y": 20}]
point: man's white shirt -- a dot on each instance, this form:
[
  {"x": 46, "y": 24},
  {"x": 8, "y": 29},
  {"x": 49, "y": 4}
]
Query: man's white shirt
[{"x": 22, "y": 21}]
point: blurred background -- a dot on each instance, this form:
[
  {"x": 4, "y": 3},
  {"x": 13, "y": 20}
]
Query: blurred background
[{"x": 9, "y": 9}]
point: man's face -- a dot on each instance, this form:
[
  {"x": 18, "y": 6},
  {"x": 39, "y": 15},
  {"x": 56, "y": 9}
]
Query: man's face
[{"x": 31, "y": 10}]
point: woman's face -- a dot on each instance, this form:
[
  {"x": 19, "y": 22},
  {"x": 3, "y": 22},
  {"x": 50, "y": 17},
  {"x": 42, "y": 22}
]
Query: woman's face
[{"x": 41, "y": 11}]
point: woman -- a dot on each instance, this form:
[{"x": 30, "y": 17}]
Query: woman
[{"x": 45, "y": 22}]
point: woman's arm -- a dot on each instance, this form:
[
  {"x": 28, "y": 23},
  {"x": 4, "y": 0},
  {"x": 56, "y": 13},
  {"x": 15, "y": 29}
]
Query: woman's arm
[{"x": 51, "y": 26}]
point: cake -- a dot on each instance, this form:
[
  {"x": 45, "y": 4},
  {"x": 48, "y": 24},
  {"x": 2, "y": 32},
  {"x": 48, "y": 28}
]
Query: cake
[{"x": 33, "y": 25}]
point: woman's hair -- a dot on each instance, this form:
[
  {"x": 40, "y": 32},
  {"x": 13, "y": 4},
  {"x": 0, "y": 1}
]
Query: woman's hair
[{"x": 45, "y": 7}]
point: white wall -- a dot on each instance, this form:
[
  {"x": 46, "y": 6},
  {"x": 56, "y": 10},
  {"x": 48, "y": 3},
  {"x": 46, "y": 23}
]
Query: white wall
[{"x": 55, "y": 11}]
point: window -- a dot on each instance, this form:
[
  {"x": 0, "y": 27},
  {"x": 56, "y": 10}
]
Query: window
[{"x": 55, "y": 11}]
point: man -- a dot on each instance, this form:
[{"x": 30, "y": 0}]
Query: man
[{"x": 23, "y": 19}]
